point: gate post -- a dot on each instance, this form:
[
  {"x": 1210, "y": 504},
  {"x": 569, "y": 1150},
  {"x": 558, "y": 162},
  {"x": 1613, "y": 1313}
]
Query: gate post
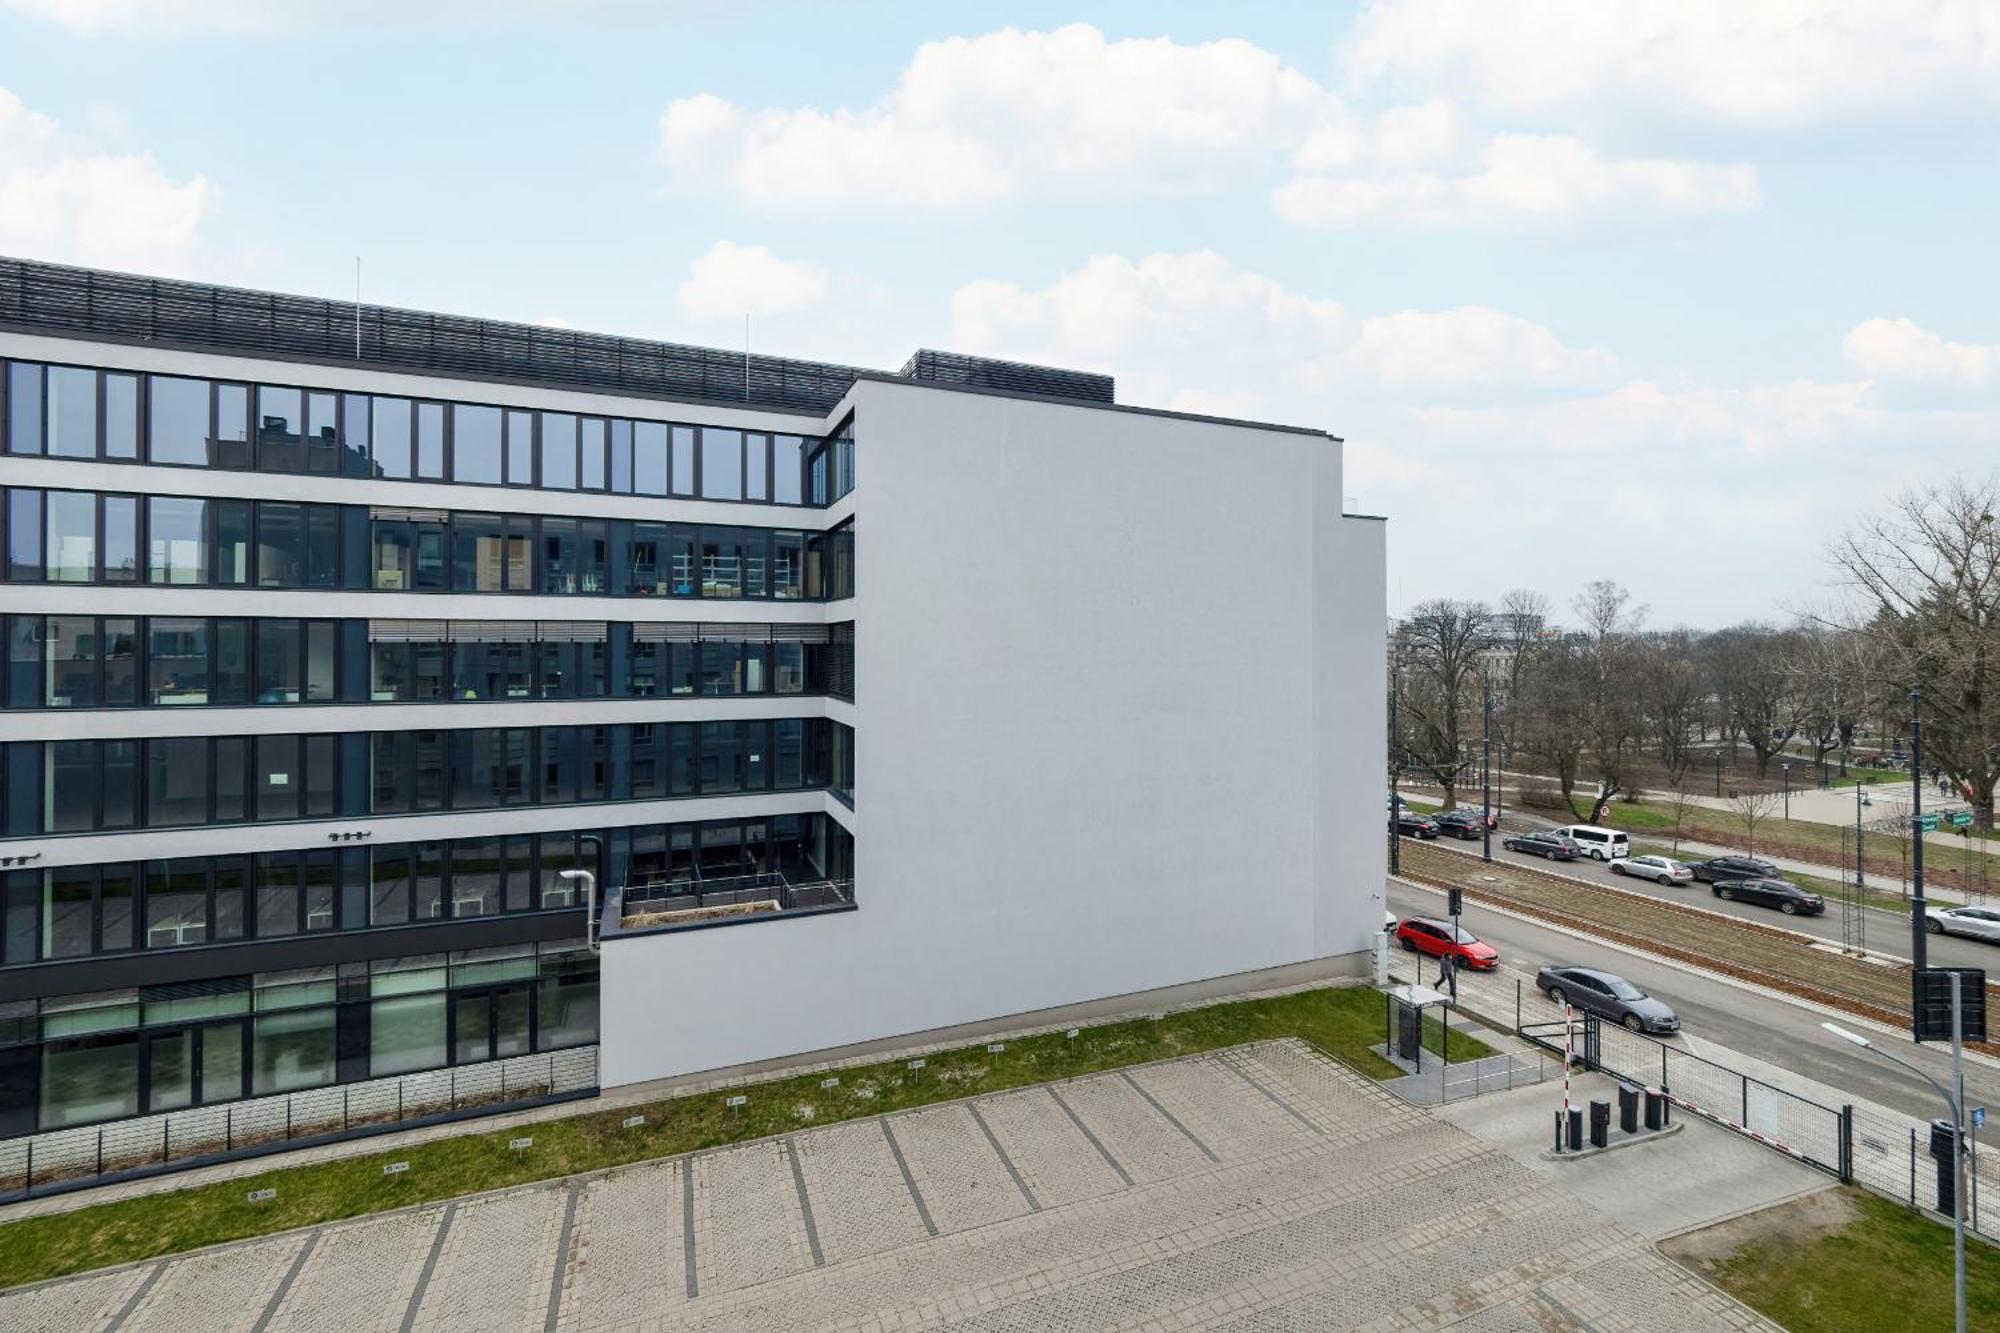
[{"x": 1847, "y": 1144}]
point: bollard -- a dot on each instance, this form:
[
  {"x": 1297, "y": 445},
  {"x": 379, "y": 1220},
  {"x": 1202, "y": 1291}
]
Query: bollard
[
  {"x": 1559, "y": 1131},
  {"x": 1628, "y": 1108},
  {"x": 1656, "y": 1109},
  {"x": 1576, "y": 1129},
  {"x": 1600, "y": 1122}
]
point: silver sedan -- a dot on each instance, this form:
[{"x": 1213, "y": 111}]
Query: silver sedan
[{"x": 1659, "y": 869}]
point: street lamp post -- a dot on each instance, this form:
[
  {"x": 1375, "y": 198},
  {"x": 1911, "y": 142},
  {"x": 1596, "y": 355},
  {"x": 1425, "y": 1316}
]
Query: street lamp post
[
  {"x": 1395, "y": 772},
  {"x": 1787, "y": 766},
  {"x": 1718, "y": 775},
  {"x": 1486, "y": 768},
  {"x": 1919, "y": 913},
  {"x": 1954, "y": 1099}
]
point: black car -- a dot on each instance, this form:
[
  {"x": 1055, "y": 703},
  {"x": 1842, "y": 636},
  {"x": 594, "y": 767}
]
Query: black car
[
  {"x": 1461, "y": 823},
  {"x": 1782, "y": 894},
  {"x": 1413, "y": 825},
  {"x": 1732, "y": 867},
  {"x": 1549, "y": 846}
]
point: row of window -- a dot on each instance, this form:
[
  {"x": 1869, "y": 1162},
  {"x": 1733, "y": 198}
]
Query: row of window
[
  {"x": 69, "y": 912},
  {"x": 233, "y": 661},
  {"x": 119, "y": 416},
  {"x": 87, "y": 537},
  {"x": 82, "y": 786},
  {"x": 144, "y": 1051}
]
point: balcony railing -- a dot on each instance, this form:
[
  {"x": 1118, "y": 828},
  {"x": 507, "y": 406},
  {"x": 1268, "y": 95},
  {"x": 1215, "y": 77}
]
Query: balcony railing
[
  {"x": 67, "y": 1159},
  {"x": 665, "y": 902}
]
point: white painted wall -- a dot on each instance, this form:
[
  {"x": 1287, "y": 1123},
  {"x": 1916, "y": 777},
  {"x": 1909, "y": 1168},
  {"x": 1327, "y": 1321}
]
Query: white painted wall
[{"x": 1116, "y": 730}]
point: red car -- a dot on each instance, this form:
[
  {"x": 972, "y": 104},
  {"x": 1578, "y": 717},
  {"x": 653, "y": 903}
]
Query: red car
[{"x": 1423, "y": 935}]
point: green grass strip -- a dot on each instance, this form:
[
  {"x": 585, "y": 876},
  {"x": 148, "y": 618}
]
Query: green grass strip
[{"x": 1343, "y": 1022}]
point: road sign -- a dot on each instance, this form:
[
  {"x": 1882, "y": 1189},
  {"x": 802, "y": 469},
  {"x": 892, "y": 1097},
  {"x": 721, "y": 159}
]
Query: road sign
[
  {"x": 1978, "y": 1118},
  {"x": 1960, "y": 818},
  {"x": 1928, "y": 823}
]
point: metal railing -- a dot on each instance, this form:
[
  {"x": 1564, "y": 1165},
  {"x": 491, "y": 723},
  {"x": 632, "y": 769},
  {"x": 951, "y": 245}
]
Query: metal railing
[
  {"x": 68, "y": 1159},
  {"x": 665, "y": 896}
]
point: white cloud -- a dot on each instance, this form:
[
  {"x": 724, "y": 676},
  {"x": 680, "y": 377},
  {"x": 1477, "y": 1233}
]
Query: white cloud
[
  {"x": 64, "y": 200},
  {"x": 1512, "y": 179},
  {"x": 973, "y": 121},
  {"x": 1167, "y": 321},
  {"x": 1766, "y": 63},
  {"x": 1113, "y": 307},
  {"x": 1903, "y": 349},
  {"x": 1761, "y": 418},
  {"x": 1456, "y": 349},
  {"x": 731, "y": 281}
]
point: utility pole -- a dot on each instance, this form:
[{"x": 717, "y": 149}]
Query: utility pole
[
  {"x": 1486, "y": 769},
  {"x": 1395, "y": 771},
  {"x": 1919, "y": 936}
]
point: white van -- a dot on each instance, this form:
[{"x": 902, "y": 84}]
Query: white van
[{"x": 1600, "y": 844}]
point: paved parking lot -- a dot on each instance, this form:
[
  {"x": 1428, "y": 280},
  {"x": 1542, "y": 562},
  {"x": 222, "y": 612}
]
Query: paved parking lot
[{"x": 1260, "y": 1189}]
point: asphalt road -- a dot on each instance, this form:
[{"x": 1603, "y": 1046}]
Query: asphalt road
[
  {"x": 1771, "y": 1029},
  {"x": 1882, "y": 932}
]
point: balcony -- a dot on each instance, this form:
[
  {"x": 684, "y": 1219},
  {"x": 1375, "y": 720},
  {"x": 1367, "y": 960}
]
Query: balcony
[{"x": 690, "y": 901}]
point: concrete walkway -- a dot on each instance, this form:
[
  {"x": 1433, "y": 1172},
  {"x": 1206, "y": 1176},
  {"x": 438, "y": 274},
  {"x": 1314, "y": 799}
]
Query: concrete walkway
[{"x": 1258, "y": 1190}]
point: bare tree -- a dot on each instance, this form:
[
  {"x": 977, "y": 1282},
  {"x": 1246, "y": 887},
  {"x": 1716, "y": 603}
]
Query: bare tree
[
  {"x": 1752, "y": 808},
  {"x": 1681, "y": 803},
  {"x": 1928, "y": 574},
  {"x": 1518, "y": 630},
  {"x": 1440, "y": 646},
  {"x": 1747, "y": 663},
  {"x": 1610, "y": 686},
  {"x": 1672, "y": 696},
  {"x": 1551, "y": 712}
]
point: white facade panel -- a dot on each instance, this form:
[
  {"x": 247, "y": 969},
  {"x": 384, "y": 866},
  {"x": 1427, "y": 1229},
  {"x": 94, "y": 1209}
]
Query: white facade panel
[{"x": 1115, "y": 731}]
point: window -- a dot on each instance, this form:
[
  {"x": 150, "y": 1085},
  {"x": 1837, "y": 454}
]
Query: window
[
  {"x": 24, "y": 407},
  {"x": 683, "y": 460},
  {"x": 591, "y": 442},
  {"x": 177, "y": 426},
  {"x": 177, "y": 657},
  {"x": 787, "y": 469},
  {"x": 281, "y": 430},
  {"x": 322, "y": 435},
  {"x": 120, "y": 541},
  {"x": 721, "y": 464},
  {"x": 476, "y": 444},
  {"x": 176, "y": 781},
  {"x": 649, "y": 458},
  {"x": 232, "y": 426},
  {"x": 391, "y": 423},
  {"x": 430, "y": 441},
  {"x": 176, "y": 540},
  {"x": 294, "y": 1049},
  {"x": 558, "y": 451},
  {"x": 621, "y": 457},
  {"x": 355, "y": 412},
  {"x": 520, "y": 448},
  {"x": 231, "y": 563},
  {"x": 121, "y": 416},
  {"x": 756, "y": 467},
  {"x": 24, "y": 534},
  {"x": 72, "y": 407},
  {"x": 72, "y": 537}
]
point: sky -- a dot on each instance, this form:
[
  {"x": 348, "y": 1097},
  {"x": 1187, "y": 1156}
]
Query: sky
[{"x": 1670, "y": 292}]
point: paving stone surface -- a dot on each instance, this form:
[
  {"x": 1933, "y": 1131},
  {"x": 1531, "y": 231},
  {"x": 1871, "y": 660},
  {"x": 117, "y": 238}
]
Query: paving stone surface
[{"x": 1264, "y": 1190}]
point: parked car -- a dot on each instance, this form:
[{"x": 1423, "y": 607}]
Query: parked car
[
  {"x": 1659, "y": 869},
  {"x": 1599, "y": 844},
  {"x": 1981, "y": 923},
  {"x": 1732, "y": 867},
  {"x": 1545, "y": 845},
  {"x": 1782, "y": 894},
  {"x": 1608, "y": 996},
  {"x": 1464, "y": 823},
  {"x": 1437, "y": 938},
  {"x": 1413, "y": 825}
]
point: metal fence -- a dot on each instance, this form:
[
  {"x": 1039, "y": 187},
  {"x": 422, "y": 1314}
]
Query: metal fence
[
  {"x": 72, "y": 1158},
  {"x": 1891, "y": 1155}
]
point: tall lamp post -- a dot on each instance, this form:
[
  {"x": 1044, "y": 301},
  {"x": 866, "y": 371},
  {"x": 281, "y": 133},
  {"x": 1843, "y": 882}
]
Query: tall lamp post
[
  {"x": 1919, "y": 909},
  {"x": 1956, "y": 1103},
  {"x": 1486, "y": 768},
  {"x": 1787, "y": 766},
  {"x": 1395, "y": 769}
]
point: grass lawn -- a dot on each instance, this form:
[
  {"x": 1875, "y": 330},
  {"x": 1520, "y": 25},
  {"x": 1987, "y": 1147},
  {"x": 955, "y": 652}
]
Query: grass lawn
[
  {"x": 1878, "y": 1269},
  {"x": 1343, "y": 1022}
]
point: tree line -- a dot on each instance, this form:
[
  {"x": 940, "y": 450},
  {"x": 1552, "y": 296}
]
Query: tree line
[{"x": 1604, "y": 703}]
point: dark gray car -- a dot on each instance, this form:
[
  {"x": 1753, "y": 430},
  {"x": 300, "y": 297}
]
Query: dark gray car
[{"x": 1608, "y": 996}]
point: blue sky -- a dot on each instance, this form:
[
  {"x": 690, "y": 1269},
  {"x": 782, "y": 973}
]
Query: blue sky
[{"x": 1668, "y": 293}]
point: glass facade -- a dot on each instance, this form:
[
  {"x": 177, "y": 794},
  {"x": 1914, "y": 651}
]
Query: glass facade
[
  {"x": 81, "y": 786},
  {"x": 379, "y": 977},
  {"x": 56, "y": 536},
  {"x": 84, "y": 1059},
  {"x": 80, "y": 412}
]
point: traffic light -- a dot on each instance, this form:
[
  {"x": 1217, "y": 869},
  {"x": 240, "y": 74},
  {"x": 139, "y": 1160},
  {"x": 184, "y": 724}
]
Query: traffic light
[{"x": 1455, "y": 901}]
